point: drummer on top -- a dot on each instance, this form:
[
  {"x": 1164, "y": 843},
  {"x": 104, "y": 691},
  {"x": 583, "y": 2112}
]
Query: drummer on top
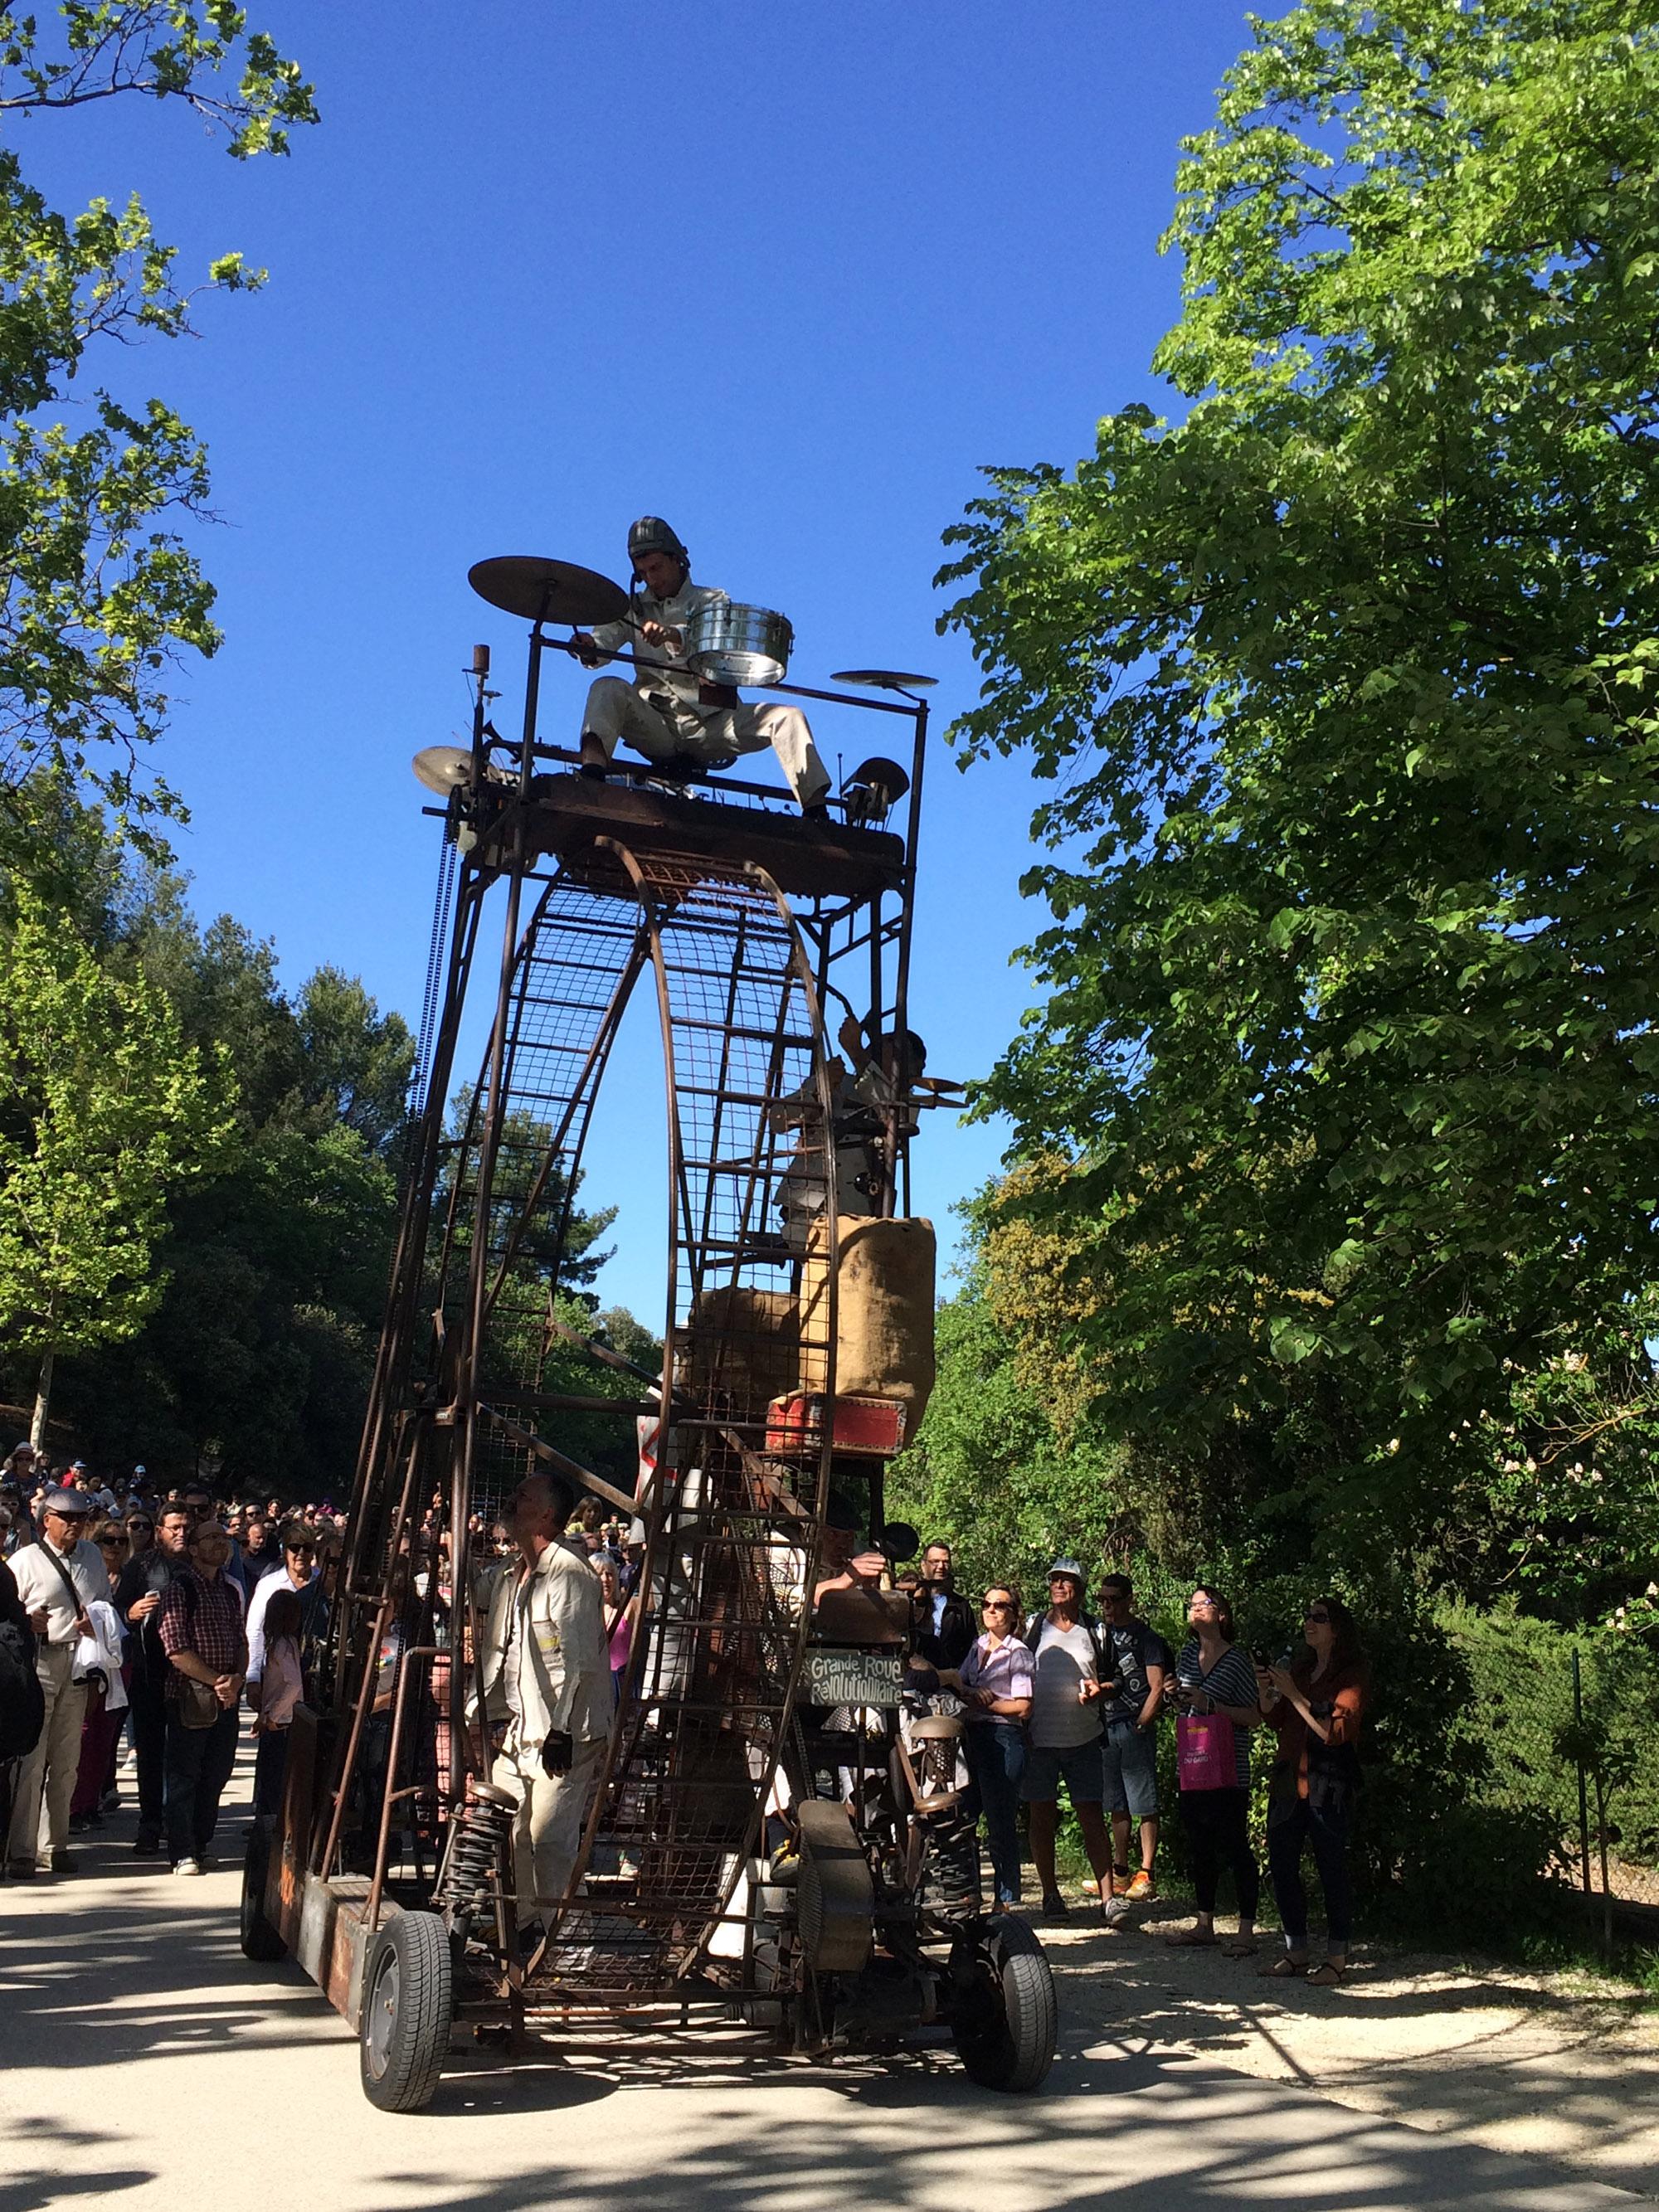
[{"x": 666, "y": 712}]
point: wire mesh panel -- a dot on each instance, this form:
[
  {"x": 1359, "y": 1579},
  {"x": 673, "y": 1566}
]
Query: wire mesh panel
[{"x": 733, "y": 1524}]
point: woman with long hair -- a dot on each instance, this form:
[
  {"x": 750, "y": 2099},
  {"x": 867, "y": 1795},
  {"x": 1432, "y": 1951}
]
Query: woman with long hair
[
  {"x": 1315, "y": 1707},
  {"x": 1217, "y": 1698}
]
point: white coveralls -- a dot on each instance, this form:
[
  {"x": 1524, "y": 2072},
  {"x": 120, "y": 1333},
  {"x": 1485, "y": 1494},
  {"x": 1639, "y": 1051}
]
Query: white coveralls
[
  {"x": 545, "y": 1670},
  {"x": 660, "y": 713}
]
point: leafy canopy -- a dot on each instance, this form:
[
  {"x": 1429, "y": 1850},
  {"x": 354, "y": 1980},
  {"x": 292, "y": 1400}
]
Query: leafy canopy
[
  {"x": 1346, "y": 679},
  {"x": 100, "y": 592},
  {"x": 104, "y": 1114}
]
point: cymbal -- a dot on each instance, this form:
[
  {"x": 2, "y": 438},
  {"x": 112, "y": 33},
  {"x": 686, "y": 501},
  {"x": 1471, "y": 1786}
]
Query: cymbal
[
  {"x": 547, "y": 591},
  {"x": 883, "y": 679},
  {"x": 441, "y": 768}
]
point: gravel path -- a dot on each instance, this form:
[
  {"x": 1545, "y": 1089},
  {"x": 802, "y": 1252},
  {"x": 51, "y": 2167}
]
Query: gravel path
[{"x": 1556, "y": 2065}]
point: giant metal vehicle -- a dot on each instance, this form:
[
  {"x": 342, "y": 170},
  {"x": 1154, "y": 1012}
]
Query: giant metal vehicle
[{"x": 778, "y": 1835}]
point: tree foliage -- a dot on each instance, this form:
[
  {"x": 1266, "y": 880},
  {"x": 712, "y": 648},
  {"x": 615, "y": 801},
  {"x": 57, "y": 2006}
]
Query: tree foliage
[
  {"x": 1346, "y": 1067},
  {"x": 101, "y": 591},
  {"x": 103, "y": 1115}
]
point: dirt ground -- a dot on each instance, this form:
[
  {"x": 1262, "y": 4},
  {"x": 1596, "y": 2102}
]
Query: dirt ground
[{"x": 1558, "y": 2065}]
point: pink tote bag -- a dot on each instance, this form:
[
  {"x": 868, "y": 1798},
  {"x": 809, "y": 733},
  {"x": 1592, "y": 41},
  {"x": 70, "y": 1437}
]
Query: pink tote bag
[{"x": 1205, "y": 1757}]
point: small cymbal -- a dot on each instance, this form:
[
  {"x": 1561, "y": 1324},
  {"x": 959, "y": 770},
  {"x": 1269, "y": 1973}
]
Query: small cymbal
[
  {"x": 547, "y": 591},
  {"x": 884, "y": 679},
  {"x": 442, "y": 767}
]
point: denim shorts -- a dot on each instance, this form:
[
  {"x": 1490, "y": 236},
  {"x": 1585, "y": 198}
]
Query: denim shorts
[
  {"x": 1078, "y": 1765},
  {"x": 1129, "y": 1762}
]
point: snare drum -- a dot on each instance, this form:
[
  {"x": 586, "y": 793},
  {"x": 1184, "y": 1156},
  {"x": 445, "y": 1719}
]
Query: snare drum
[{"x": 733, "y": 644}]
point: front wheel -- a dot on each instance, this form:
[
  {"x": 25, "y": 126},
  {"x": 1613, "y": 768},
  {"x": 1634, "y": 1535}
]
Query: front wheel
[
  {"x": 408, "y": 2004},
  {"x": 1005, "y": 2019}
]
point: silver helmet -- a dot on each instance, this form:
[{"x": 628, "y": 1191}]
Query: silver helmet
[{"x": 651, "y": 534}]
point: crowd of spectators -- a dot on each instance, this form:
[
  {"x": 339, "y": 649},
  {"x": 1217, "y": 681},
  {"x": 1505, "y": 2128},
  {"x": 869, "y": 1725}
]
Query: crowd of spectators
[
  {"x": 155, "y": 1618},
  {"x": 161, "y": 1620},
  {"x": 1063, "y": 1702}
]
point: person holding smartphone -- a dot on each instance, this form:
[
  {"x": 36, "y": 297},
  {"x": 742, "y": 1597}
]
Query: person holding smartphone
[{"x": 1315, "y": 1707}]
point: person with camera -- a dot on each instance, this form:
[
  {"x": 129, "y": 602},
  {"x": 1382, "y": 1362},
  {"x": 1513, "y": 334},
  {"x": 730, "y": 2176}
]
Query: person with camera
[
  {"x": 1217, "y": 1700},
  {"x": 1315, "y": 1706},
  {"x": 547, "y": 1694}
]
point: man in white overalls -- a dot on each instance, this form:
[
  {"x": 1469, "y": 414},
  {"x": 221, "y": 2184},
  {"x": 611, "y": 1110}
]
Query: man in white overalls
[
  {"x": 547, "y": 1677},
  {"x": 667, "y": 712}
]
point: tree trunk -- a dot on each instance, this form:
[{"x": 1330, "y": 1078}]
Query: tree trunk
[{"x": 42, "y": 1401}]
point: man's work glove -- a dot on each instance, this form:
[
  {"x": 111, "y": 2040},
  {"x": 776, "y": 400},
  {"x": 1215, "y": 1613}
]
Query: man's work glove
[{"x": 557, "y": 1751}]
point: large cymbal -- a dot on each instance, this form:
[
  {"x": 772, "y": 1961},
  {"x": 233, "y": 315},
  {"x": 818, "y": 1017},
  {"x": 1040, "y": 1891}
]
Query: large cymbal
[
  {"x": 547, "y": 591},
  {"x": 441, "y": 768},
  {"x": 884, "y": 679}
]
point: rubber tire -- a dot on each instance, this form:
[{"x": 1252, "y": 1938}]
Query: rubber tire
[
  {"x": 260, "y": 1940},
  {"x": 415, "y": 1947},
  {"x": 1006, "y": 2030}
]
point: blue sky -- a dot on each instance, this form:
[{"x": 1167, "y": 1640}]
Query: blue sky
[{"x": 788, "y": 276}]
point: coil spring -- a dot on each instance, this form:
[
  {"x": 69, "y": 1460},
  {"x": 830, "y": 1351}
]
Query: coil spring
[{"x": 483, "y": 1830}]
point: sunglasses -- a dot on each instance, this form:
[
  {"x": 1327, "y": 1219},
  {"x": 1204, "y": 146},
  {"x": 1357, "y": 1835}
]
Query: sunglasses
[
  {"x": 135, "y": 1526},
  {"x": 995, "y": 1605},
  {"x": 111, "y": 1543},
  {"x": 1323, "y": 1618}
]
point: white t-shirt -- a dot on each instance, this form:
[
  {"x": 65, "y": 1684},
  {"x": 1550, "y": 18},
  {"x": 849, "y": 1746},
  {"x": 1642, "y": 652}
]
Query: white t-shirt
[{"x": 1065, "y": 1659}]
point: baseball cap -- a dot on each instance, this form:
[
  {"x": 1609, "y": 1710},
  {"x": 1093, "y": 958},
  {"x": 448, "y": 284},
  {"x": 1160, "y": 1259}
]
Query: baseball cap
[{"x": 1066, "y": 1567}]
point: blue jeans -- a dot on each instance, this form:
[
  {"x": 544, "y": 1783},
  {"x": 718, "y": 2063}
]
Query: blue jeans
[{"x": 996, "y": 1760}]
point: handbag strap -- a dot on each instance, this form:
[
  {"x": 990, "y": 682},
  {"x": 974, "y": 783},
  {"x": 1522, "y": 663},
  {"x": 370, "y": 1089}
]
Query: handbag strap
[{"x": 77, "y": 1603}]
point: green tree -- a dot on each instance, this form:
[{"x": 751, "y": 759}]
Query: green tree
[
  {"x": 104, "y": 1113},
  {"x": 100, "y": 592},
  {"x": 257, "y": 1358},
  {"x": 1345, "y": 678}
]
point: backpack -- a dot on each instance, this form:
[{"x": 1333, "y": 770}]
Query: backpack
[{"x": 22, "y": 1701}]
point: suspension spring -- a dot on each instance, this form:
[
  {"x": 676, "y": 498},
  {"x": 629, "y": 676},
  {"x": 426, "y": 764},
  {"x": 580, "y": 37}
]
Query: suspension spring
[{"x": 478, "y": 1852}]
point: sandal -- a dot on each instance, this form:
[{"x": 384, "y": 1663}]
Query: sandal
[
  {"x": 1330, "y": 1976},
  {"x": 1240, "y": 1947},
  {"x": 1193, "y": 1939},
  {"x": 1283, "y": 1969}
]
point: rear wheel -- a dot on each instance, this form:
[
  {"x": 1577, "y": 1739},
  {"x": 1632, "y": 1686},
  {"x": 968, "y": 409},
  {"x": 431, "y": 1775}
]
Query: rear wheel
[
  {"x": 1005, "y": 2020},
  {"x": 408, "y": 2004},
  {"x": 260, "y": 1939}
]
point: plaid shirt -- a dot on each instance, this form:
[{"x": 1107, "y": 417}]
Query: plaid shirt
[{"x": 205, "y": 1618}]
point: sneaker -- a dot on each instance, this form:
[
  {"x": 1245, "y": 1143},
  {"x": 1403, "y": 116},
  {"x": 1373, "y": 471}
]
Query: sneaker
[
  {"x": 149, "y": 1844},
  {"x": 1053, "y": 1907},
  {"x": 1142, "y": 1886},
  {"x": 187, "y": 1866},
  {"x": 1120, "y": 1882}
]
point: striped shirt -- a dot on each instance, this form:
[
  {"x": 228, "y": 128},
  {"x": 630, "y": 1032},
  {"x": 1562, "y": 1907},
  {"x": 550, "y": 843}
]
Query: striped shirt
[{"x": 1230, "y": 1682}]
